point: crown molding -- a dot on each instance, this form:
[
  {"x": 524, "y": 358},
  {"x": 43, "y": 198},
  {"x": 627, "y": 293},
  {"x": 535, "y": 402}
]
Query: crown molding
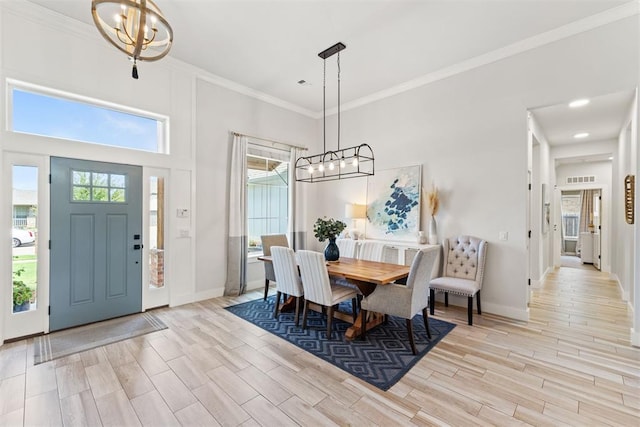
[{"x": 594, "y": 21}]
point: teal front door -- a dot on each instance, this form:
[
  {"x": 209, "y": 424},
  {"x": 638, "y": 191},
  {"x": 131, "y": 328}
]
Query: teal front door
[{"x": 96, "y": 242}]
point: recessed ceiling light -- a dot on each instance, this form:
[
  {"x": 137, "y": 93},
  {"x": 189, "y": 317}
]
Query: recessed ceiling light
[
  {"x": 579, "y": 103},
  {"x": 581, "y": 135}
]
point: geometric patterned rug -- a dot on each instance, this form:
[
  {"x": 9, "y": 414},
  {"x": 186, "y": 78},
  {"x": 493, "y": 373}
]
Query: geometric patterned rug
[{"x": 381, "y": 360}]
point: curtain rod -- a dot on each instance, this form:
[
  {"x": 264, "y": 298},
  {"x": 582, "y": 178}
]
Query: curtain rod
[{"x": 270, "y": 140}]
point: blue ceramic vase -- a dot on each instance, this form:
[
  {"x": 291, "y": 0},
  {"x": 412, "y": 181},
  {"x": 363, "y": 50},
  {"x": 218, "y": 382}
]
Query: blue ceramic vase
[{"x": 331, "y": 252}]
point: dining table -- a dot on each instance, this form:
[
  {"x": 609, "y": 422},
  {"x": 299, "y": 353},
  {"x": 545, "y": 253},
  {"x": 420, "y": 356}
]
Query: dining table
[{"x": 365, "y": 275}]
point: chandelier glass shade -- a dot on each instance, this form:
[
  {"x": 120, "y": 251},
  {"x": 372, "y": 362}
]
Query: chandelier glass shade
[
  {"x": 343, "y": 163},
  {"x": 135, "y": 27}
]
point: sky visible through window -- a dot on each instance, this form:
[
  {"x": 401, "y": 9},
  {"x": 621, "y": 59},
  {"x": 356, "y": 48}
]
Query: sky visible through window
[{"x": 39, "y": 114}]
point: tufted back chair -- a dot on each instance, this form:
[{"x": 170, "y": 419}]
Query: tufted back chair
[
  {"x": 461, "y": 257},
  {"x": 463, "y": 271}
]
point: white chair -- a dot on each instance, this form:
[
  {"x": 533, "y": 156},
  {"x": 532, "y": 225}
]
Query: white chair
[
  {"x": 268, "y": 241},
  {"x": 347, "y": 247},
  {"x": 319, "y": 289},
  {"x": 288, "y": 280},
  {"x": 404, "y": 300},
  {"x": 463, "y": 271},
  {"x": 371, "y": 251}
]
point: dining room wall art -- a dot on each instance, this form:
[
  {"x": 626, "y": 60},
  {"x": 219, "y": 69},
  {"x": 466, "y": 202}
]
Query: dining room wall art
[{"x": 393, "y": 204}]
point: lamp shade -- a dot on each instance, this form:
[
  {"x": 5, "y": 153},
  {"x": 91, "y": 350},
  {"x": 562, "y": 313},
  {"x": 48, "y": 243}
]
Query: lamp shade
[{"x": 355, "y": 211}]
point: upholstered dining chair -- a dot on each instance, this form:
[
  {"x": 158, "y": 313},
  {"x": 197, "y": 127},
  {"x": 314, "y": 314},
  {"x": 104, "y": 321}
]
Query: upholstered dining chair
[
  {"x": 268, "y": 241},
  {"x": 404, "y": 300},
  {"x": 371, "y": 251},
  {"x": 319, "y": 289},
  {"x": 288, "y": 280},
  {"x": 347, "y": 247},
  {"x": 463, "y": 271}
]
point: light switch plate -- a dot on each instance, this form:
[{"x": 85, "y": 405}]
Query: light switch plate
[{"x": 503, "y": 235}]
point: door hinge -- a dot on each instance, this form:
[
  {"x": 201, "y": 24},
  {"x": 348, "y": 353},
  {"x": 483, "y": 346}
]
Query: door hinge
[
  {"x": 49, "y": 178},
  {"x": 49, "y": 244},
  {"x": 598, "y": 256},
  {"x": 529, "y": 186},
  {"x": 529, "y": 282},
  {"x": 529, "y": 233},
  {"x": 49, "y": 310},
  {"x": 599, "y": 227}
]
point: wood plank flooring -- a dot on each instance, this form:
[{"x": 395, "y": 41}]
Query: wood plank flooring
[{"x": 571, "y": 364}]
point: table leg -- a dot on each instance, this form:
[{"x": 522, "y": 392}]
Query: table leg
[{"x": 373, "y": 320}]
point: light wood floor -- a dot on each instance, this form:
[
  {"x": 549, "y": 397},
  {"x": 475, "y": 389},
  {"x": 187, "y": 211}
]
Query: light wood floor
[{"x": 570, "y": 365}]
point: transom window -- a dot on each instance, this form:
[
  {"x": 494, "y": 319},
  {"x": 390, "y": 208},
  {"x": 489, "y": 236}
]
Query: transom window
[
  {"x": 98, "y": 187},
  {"x": 36, "y": 112}
]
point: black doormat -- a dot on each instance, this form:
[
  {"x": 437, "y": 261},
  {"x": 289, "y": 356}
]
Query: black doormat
[
  {"x": 381, "y": 360},
  {"x": 64, "y": 343}
]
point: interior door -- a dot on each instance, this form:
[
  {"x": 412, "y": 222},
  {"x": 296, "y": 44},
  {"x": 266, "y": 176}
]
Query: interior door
[{"x": 96, "y": 241}]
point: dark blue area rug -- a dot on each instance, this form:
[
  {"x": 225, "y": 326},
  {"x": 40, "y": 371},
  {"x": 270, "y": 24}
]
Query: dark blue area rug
[{"x": 381, "y": 360}]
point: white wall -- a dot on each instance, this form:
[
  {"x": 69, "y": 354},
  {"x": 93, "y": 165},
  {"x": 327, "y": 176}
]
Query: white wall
[
  {"x": 625, "y": 261},
  {"x": 219, "y": 111},
  {"x": 541, "y": 241},
  {"x": 469, "y": 132}
]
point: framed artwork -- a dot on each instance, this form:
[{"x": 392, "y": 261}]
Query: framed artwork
[{"x": 393, "y": 204}]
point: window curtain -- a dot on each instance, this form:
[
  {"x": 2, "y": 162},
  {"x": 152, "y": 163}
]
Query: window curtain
[
  {"x": 296, "y": 237},
  {"x": 237, "y": 244},
  {"x": 586, "y": 213}
]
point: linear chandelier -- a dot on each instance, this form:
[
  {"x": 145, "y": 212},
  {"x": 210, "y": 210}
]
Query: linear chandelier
[
  {"x": 343, "y": 163},
  {"x": 135, "y": 27}
]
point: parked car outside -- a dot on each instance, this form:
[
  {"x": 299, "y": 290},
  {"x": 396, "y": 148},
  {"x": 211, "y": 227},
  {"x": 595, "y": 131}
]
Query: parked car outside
[{"x": 21, "y": 237}]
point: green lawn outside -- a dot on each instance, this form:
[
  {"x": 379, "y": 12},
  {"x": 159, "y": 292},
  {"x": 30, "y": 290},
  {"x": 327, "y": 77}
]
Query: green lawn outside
[{"x": 29, "y": 275}]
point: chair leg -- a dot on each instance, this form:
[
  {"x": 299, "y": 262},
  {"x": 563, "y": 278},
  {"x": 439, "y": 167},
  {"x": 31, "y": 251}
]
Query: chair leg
[
  {"x": 446, "y": 299},
  {"x": 266, "y": 289},
  {"x": 432, "y": 301},
  {"x": 354, "y": 304},
  {"x": 304, "y": 314},
  {"x": 410, "y": 331},
  {"x": 329, "y": 321},
  {"x": 297, "y": 310},
  {"x": 478, "y": 302},
  {"x": 276, "y": 305},
  {"x": 426, "y": 322},
  {"x": 363, "y": 324},
  {"x": 470, "y": 309}
]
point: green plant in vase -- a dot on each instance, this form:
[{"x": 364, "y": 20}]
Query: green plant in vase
[{"x": 329, "y": 228}]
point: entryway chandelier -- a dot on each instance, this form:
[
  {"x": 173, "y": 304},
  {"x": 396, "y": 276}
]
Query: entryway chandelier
[
  {"x": 135, "y": 27},
  {"x": 343, "y": 163}
]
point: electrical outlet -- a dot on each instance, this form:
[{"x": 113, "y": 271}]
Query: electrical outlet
[{"x": 503, "y": 235}]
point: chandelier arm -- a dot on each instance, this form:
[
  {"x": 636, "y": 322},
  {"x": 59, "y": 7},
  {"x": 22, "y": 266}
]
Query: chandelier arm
[
  {"x": 141, "y": 24},
  {"x": 125, "y": 42}
]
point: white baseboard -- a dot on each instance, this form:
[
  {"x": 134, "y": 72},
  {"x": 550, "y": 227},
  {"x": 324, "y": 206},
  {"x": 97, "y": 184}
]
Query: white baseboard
[
  {"x": 487, "y": 307},
  {"x": 255, "y": 284},
  {"x": 635, "y": 338},
  {"x": 200, "y": 296}
]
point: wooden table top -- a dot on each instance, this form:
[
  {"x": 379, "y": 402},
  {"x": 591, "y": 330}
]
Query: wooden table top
[{"x": 379, "y": 273}]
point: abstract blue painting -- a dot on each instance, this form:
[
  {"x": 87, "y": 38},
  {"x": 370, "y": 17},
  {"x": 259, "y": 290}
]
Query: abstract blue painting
[{"x": 393, "y": 204}]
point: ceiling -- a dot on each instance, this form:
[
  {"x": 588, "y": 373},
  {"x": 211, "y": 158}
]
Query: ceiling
[
  {"x": 602, "y": 119},
  {"x": 268, "y": 45}
]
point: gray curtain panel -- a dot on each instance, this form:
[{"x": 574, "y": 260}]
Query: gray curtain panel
[
  {"x": 237, "y": 244},
  {"x": 586, "y": 212}
]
